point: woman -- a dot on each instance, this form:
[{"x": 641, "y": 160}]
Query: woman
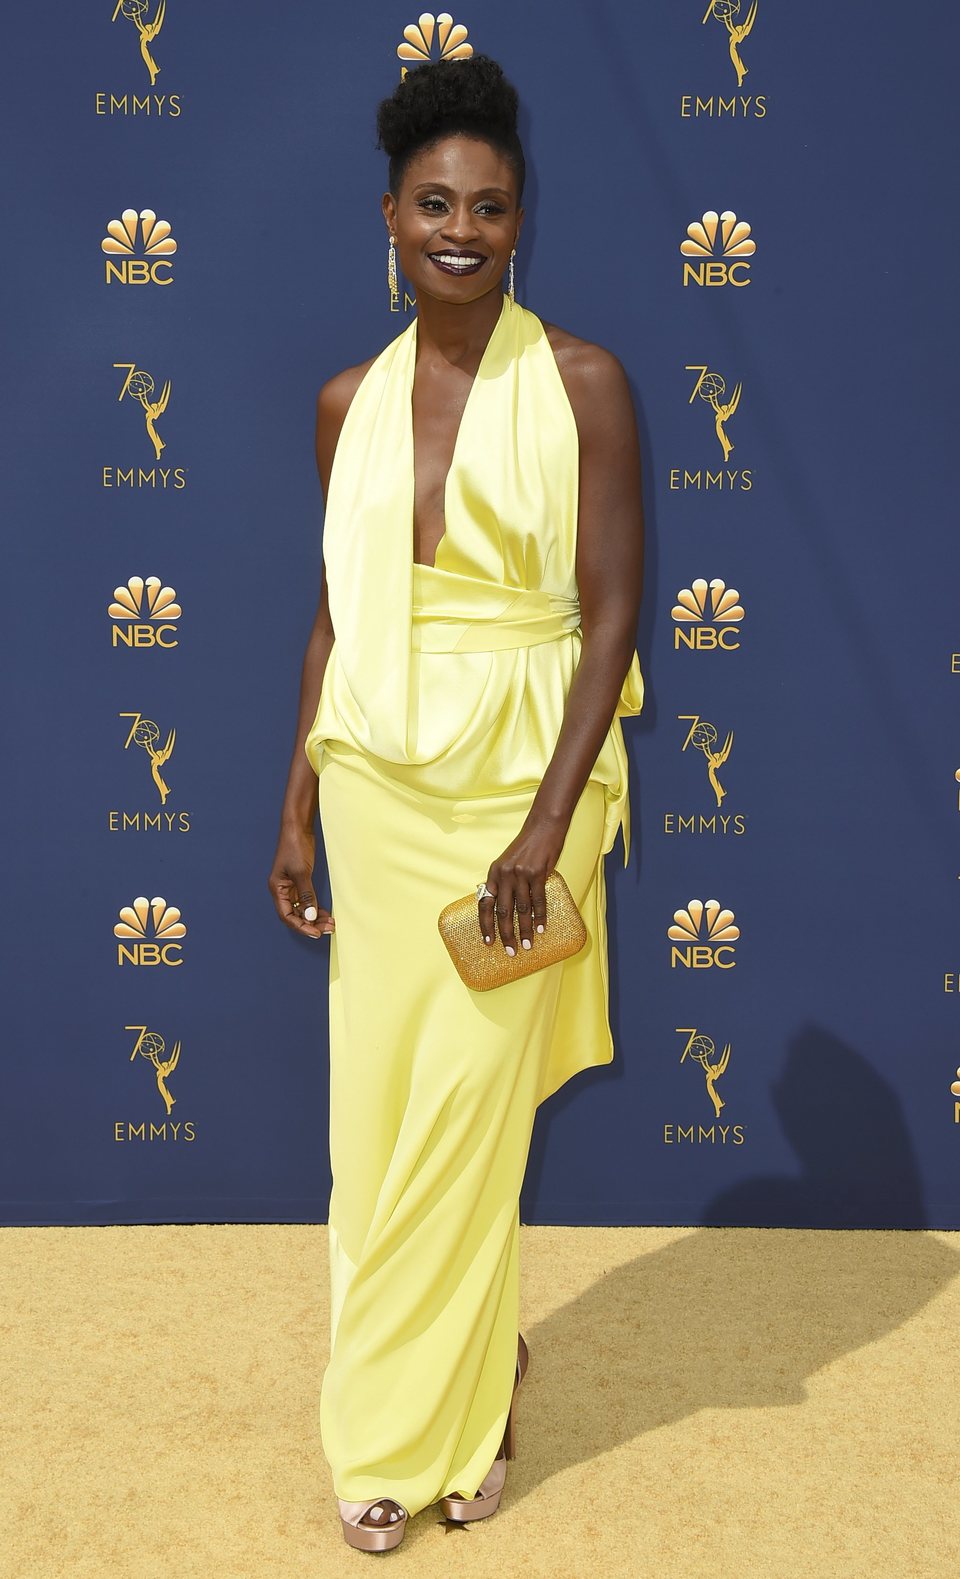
[{"x": 459, "y": 715}]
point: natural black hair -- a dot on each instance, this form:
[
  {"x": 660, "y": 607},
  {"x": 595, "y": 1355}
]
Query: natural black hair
[{"x": 443, "y": 97}]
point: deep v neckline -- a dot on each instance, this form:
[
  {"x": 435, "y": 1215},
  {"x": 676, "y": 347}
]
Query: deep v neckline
[{"x": 471, "y": 392}]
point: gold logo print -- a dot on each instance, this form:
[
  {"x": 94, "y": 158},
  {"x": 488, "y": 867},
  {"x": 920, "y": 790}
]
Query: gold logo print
[
  {"x": 955, "y": 1086},
  {"x": 144, "y": 614},
  {"x": 707, "y": 631},
  {"x": 691, "y": 602},
  {"x": 732, "y": 234},
  {"x": 145, "y": 733},
  {"x": 128, "y": 601},
  {"x": 156, "y": 235},
  {"x": 707, "y": 933},
  {"x": 724, "y": 11},
  {"x": 703, "y": 737},
  {"x": 702, "y": 1049},
  {"x": 710, "y": 387},
  {"x": 419, "y": 37},
  {"x": 135, "y": 11},
  {"x": 720, "y": 244},
  {"x": 151, "y": 1046},
  {"x": 165, "y": 919},
  {"x": 156, "y": 944},
  {"x": 706, "y": 918},
  {"x": 139, "y": 385}
]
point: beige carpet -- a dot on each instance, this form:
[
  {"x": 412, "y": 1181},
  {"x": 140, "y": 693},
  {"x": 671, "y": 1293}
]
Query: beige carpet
[{"x": 701, "y": 1404}]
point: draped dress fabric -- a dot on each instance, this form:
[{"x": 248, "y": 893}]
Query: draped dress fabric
[{"x": 439, "y": 712}]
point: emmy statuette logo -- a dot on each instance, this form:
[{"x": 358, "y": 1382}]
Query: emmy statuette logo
[
  {"x": 710, "y": 388},
  {"x": 727, "y": 12},
  {"x": 144, "y": 614},
  {"x": 720, "y": 245},
  {"x": 150, "y": 1048},
  {"x": 149, "y": 931},
  {"x": 707, "y": 934},
  {"x": 704, "y": 737},
  {"x": 705, "y": 617},
  {"x": 138, "y": 391},
  {"x": 140, "y": 388},
  {"x": 145, "y": 735},
  {"x": 702, "y": 1050},
  {"x": 136, "y": 11},
  {"x": 733, "y": 22},
  {"x": 143, "y": 29},
  {"x": 144, "y": 246}
]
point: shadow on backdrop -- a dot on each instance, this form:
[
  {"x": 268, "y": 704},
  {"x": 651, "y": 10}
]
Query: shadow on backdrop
[
  {"x": 740, "y": 1320},
  {"x": 858, "y": 1168}
]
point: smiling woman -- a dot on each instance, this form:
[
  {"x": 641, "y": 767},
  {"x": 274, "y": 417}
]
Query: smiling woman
[{"x": 461, "y": 698}]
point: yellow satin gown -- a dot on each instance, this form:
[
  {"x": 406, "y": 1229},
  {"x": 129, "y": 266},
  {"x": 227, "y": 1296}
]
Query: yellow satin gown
[{"x": 440, "y": 708}]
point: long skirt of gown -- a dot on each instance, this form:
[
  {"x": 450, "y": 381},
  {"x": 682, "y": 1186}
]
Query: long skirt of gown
[{"x": 433, "y": 1093}]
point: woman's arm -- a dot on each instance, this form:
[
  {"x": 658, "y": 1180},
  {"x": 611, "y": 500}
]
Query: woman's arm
[
  {"x": 291, "y": 876},
  {"x": 610, "y": 580}
]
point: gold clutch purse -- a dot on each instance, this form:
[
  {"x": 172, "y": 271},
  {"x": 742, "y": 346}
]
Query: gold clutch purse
[{"x": 483, "y": 965}]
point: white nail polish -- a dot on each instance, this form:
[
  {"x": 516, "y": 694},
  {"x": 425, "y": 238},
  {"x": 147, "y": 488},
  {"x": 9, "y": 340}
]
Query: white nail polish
[
  {"x": 539, "y": 926},
  {"x": 510, "y": 950},
  {"x": 527, "y": 943},
  {"x": 310, "y": 914}
]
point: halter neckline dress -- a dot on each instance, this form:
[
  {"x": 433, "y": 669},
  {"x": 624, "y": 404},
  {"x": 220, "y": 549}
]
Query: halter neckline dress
[{"x": 439, "y": 711}]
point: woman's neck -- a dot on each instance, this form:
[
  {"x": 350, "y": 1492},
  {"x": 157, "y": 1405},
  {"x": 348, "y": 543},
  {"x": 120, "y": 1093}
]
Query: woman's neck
[{"x": 457, "y": 332}]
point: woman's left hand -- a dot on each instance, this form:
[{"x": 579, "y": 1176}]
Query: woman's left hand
[{"x": 518, "y": 878}]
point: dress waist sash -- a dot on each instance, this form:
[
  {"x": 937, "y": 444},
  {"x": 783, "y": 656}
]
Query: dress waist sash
[{"x": 455, "y": 613}]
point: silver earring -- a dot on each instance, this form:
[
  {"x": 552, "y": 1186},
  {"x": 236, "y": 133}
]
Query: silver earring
[
  {"x": 392, "y": 274},
  {"x": 510, "y": 277}
]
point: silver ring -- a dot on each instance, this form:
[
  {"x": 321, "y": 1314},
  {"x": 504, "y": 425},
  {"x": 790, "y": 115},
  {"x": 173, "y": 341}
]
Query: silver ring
[{"x": 483, "y": 892}]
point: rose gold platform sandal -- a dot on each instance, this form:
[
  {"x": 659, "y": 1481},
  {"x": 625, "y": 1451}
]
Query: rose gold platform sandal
[
  {"x": 487, "y": 1499},
  {"x": 389, "y": 1522}
]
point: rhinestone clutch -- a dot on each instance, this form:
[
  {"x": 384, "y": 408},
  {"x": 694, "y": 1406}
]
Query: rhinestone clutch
[{"x": 484, "y": 965}]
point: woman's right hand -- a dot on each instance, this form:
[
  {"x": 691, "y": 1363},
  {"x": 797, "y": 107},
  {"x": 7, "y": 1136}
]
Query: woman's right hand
[{"x": 292, "y": 879}]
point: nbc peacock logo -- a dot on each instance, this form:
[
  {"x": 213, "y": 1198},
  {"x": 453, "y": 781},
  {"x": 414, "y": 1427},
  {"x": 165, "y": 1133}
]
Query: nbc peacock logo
[
  {"x": 419, "y": 38},
  {"x": 138, "y": 249},
  {"x": 706, "y": 617},
  {"x": 150, "y": 933},
  {"x": 720, "y": 244},
  {"x": 703, "y": 934},
  {"x": 955, "y": 1093},
  {"x": 144, "y": 614}
]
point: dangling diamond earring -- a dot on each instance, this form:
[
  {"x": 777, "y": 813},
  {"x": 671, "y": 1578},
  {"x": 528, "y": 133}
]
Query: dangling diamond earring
[
  {"x": 392, "y": 274},
  {"x": 510, "y": 279}
]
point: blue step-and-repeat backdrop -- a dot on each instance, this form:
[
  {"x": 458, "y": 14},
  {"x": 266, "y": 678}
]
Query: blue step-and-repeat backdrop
[{"x": 747, "y": 202}]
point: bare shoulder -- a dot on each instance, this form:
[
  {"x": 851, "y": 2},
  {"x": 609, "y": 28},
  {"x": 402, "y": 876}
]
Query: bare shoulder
[
  {"x": 594, "y": 378},
  {"x": 335, "y": 395},
  {"x": 333, "y": 403}
]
